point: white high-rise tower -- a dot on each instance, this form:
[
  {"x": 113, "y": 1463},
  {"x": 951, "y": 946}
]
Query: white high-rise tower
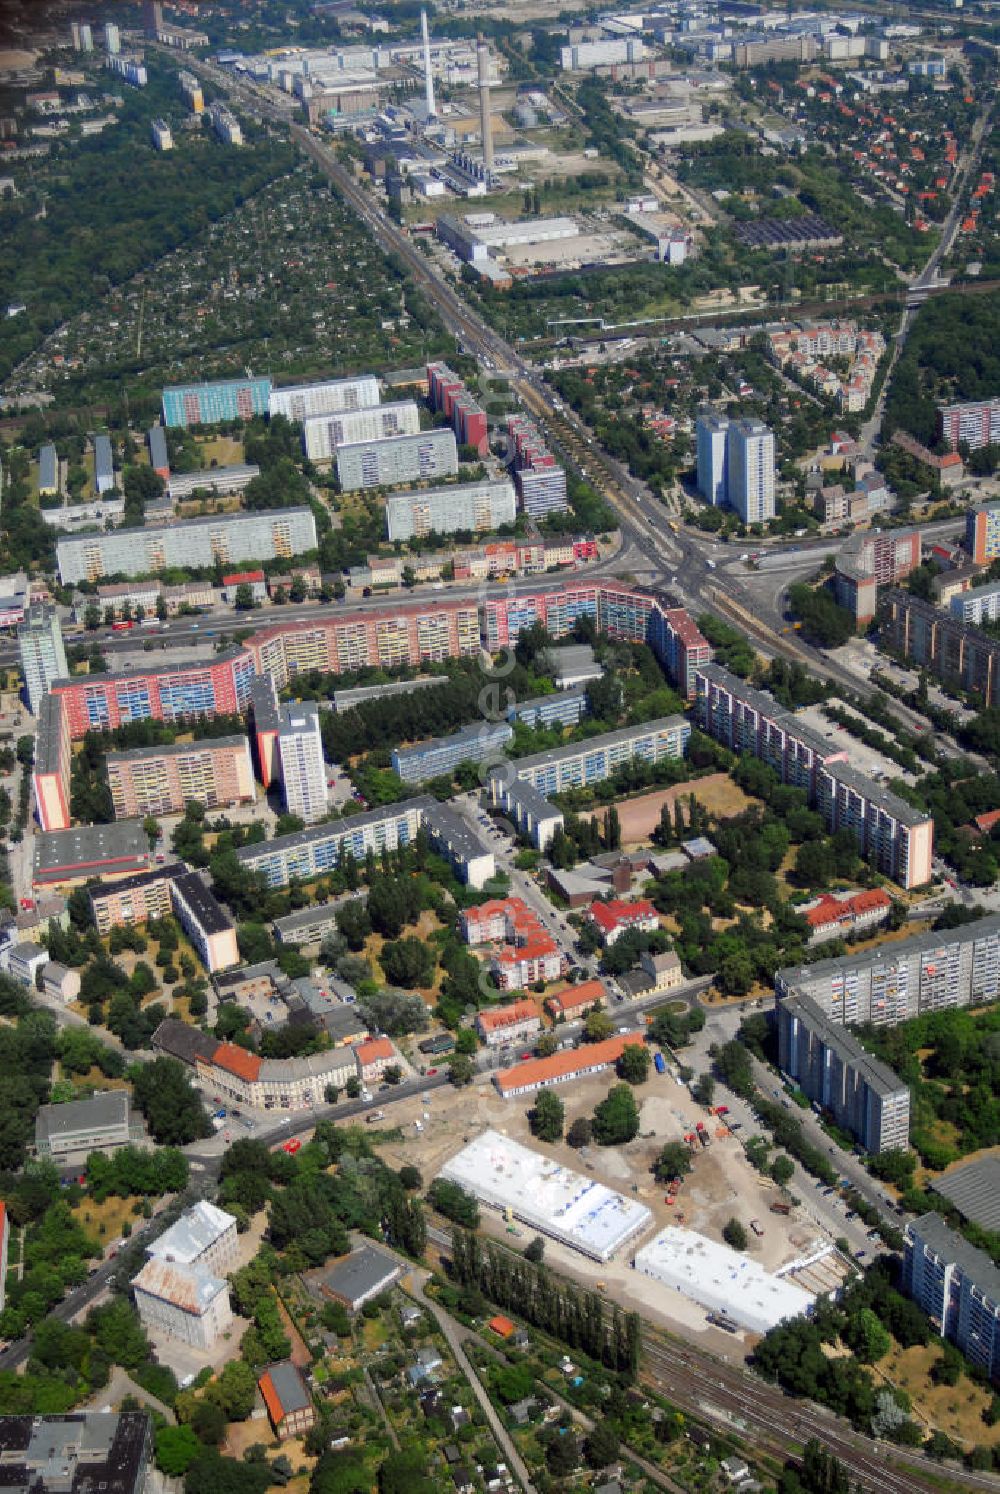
[
  {"x": 428, "y": 77},
  {"x": 485, "y": 119},
  {"x": 750, "y": 459}
]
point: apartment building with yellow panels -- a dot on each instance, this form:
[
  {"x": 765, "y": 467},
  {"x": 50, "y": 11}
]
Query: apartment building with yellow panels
[{"x": 215, "y": 772}]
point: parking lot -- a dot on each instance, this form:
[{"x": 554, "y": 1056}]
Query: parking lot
[{"x": 862, "y": 757}]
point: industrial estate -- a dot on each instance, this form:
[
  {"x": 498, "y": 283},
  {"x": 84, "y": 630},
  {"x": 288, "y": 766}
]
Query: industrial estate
[{"x": 499, "y": 748}]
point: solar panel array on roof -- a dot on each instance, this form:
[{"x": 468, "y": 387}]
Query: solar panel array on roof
[{"x": 774, "y": 232}]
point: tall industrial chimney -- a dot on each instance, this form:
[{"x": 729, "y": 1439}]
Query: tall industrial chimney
[
  {"x": 428, "y": 79},
  {"x": 485, "y": 121}
]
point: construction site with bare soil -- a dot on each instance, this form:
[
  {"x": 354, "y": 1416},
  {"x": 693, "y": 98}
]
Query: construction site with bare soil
[{"x": 787, "y": 1247}]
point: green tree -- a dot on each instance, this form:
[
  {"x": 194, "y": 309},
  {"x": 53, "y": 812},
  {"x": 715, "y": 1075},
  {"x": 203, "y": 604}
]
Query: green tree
[
  {"x": 674, "y": 1161},
  {"x": 353, "y": 922},
  {"x": 176, "y": 1450},
  {"x": 534, "y": 1251},
  {"x": 865, "y": 1335},
  {"x": 598, "y": 1027},
  {"x": 616, "y": 1118},
  {"x": 782, "y": 1169},
  {"x": 547, "y": 1116},
  {"x": 602, "y": 1444},
  {"x": 244, "y": 600},
  {"x": 703, "y": 1089},
  {"x": 408, "y": 962},
  {"x": 735, "y": 1235},
  {"x": 580, "y": 1132},
  {"x": 633, "y": 1065},
  {"x": 461, "y": 1069}
]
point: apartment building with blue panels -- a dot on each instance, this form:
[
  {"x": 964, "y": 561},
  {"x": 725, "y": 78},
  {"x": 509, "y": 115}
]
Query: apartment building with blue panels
[
  {"x": 958, "y": 1287},
  {"x": 310, "y": 853},
  {"x": 561, "y": 708},
  {"x": 479, "y": 743},
  {"x": 583, "y": 763},
  {"x": 223, "y": 399}
]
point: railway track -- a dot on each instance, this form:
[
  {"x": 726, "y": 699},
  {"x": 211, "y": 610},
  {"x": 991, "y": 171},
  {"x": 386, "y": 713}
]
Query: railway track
[{"x": 781, "y": 1425}]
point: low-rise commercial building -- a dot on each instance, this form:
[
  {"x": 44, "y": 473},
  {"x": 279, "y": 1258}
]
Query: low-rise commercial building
[
  {"x": 78, "y": 1452},
  {"x": 100, "y": 1123},
  {"x": 63, "y": 857},
  {"x": 831, "y": 1067},
  {"x": 576, "y": 1063},
  {"x": 51, "y": 768},
  {"x": 214, "y": 771},
  {"x": 958, "y": 1286},
  {"x": 355, "y": 1279},
  {"x": 721, "y": 1279},
  {"x": 576, "y": 1210}
]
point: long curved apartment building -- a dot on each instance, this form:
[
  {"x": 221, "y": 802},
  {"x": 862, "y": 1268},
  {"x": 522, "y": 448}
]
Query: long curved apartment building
[{"x": 420, "y": 633}]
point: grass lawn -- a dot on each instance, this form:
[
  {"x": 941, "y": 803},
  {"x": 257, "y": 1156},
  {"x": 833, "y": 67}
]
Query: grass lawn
[
  {"x": 105, "y": 1221},
  {"x": 225, "y": 451},
  {"x": 374, "y": 1333},
  {"x": 953, "y": 1409}
]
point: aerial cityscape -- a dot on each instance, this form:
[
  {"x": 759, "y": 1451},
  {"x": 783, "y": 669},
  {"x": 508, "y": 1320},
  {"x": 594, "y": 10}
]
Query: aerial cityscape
[{"x": 499, "y": 747}]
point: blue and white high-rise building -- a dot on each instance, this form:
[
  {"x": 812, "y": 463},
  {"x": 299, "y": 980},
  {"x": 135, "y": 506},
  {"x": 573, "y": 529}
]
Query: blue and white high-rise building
[
  {"x": 750, "y": 462},
  {"x": 711, "y": 430}
]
